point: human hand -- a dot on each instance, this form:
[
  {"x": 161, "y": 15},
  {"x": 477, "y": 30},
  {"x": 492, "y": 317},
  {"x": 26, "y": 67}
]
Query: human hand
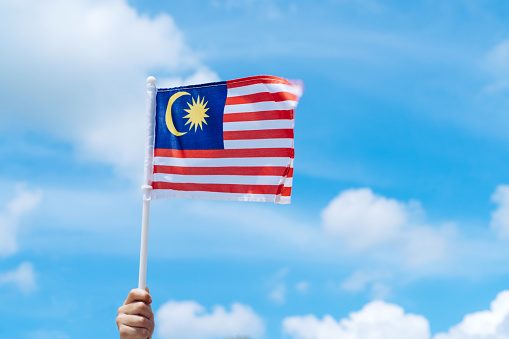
[{"x": 135, "y": 319}]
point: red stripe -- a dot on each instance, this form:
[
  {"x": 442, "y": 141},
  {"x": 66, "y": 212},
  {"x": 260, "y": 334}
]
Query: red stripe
[
  {"x": 220, "y": 188},
  {"x": 260, "y": 171},
  {"x": 286, "y": 191},
  {"x": 226, "y": 153},
  {"x": 260, "y": 97},
  {"x": 258, "y": 116},
  {"x": 259, "y": 79},
  {"x": 258, "y": 134}
]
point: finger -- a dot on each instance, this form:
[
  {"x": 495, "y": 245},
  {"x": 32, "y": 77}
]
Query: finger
[
  {"x": 127, "y": 332},
  {"x": 135, "y": 321},
  {"x": 138, "y": 294},
  {"x": 146, "y": 289},
  {"x": 137, "y": 308}
]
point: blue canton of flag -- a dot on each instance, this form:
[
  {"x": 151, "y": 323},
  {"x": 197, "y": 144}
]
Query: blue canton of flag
[{"x": 190, "y": 117}]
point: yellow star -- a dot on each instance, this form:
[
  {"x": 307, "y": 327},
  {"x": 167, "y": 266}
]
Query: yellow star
[{"x": 196, "y": 113}]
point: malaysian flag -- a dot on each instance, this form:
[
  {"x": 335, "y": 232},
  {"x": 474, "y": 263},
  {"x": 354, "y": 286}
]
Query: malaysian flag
[{"x": 228, "y": 140}]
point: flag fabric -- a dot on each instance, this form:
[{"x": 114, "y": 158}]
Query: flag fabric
[{"x": 231, "y": 140}]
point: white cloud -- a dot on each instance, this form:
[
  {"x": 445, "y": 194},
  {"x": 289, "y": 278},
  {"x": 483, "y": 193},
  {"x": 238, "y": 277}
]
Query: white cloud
[
  {"x": 379, "y": 319},
  {"x": 79, "y": 67},
  {"x": 188, "y": 319},
  {"x": 365, "y": 221},
  {"x": 489, "y": 324},
  {"x": 376, "y": 320},
  {"x": 500, "y": 217},
  {"x": 23, "y": 278},
  {"x": 23, "y": 202}
]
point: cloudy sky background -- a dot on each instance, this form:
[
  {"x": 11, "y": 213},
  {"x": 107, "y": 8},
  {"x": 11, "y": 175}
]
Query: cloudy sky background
[{"x": 399, "y": 222}]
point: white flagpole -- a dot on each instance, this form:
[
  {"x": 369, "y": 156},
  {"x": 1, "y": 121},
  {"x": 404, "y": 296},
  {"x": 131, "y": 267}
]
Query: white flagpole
[{"x": 147, "y": 178}]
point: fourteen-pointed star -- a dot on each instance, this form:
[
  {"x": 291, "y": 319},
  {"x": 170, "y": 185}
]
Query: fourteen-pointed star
[{"x": 196, "y": 113}]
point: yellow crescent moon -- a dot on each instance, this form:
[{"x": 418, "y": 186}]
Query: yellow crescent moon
[{"x": 169, "y": 119}]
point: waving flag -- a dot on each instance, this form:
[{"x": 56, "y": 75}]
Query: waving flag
[{"x": 228, "y": 140}]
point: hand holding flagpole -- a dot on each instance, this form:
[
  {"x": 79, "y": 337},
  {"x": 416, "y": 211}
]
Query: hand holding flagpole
[{"x": 147, "y": 178}]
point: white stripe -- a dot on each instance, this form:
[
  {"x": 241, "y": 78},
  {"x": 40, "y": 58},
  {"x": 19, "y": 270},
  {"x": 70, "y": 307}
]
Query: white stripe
[
  {"x": 260, "y": 106},
  {"x": 167, "y": 193},
  {"x": 257, "y": 88},
  {"x": 220, "y": 162},
  {"x": 258, "y": 143},
  {"x": 284, "y": 200},
  {"x": 256, "y": 125},
  {"x": 221, "y": 179}
]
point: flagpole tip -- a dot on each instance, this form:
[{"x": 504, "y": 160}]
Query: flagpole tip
[{"x": 151, "y": 80}]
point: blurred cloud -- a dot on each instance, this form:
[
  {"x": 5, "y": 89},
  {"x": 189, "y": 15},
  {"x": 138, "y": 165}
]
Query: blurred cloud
[
  {"x": 188, "y": 319},
  {"x": 278, "y": 294},
  {"x": 254, "y": 224},
  {"x": 278, "y": 286},
  {"x": 266, "y": 9},
  {"x": 414, "y": 249},
  {"x": 302, "y": 286},
  {"x": 500, "y": 217},
  {"x": 80, "y": 67},
  {"x": 360, "y": 279},
  {"x": 382, "y": 238},
  {"x": 365, "y": 221},
  {"x": 202, "y": 75},
  {"x": 48, "y": 334},
  {"x": 496, "y": 63},
  {"x": 22, "y": 278},
  {"x": 22, "y": 203}
]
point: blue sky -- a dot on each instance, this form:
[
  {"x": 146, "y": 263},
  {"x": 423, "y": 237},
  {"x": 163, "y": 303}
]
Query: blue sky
[{"x": 399, "y": 222}]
